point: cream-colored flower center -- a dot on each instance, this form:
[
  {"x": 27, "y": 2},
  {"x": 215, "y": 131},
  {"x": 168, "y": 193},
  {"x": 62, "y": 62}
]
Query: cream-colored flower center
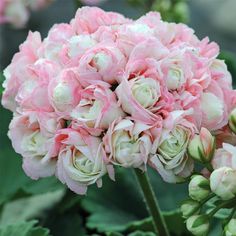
[
  {"x": 175, "y": 78},
  {"x": 146, "y": 91},
  {"x": 175, "y": 143},
  {"x": 125, "y": 146},
  {"x": 62, "y": 94},
  {"x": 82, "y": 163},
  {"x": 34, "y": 143},
  {"x": 88, "y": 111},
  {"x": 101, "y": 61}
]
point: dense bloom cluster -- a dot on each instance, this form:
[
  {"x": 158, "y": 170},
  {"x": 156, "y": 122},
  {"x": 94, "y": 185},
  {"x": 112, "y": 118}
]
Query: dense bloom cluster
[
  {"x": 105, "y": 91},
  {"x": 16, "y": 12}
]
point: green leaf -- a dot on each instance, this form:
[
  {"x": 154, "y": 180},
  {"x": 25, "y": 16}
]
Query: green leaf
[
  {"x": 23, "y": 229},
  {"x": 28, "y": 208},
  {"x": 15, "y": 184},
  {"x": 118, "y": 206}
]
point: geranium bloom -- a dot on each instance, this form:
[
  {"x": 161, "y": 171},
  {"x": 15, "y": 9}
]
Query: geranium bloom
[{"x": 105, "y": 91}]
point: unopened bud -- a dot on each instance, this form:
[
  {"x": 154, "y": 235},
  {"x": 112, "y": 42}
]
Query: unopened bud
[
  {"x": 202, "y": 146},
  {"x": 199, "y": 188},
  {"x": 198, "y": 225},
  {"x": 190, "y": 207},
  {"x": 223, "y": 183},
  {"x": 230, "y": 228}
]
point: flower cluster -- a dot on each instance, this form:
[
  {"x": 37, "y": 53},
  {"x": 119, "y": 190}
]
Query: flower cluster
[
  {"x": 16, "y": 12},
  {"x": 105, "y": 91}
]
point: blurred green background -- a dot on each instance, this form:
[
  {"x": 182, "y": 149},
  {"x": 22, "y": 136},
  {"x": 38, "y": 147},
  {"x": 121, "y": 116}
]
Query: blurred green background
[{"x": 117, "y": 206}]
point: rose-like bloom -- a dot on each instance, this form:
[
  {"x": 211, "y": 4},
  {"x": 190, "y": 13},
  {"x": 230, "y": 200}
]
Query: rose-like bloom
[
  {"x": 88, "y": 19},
  {"x": 139, "y": 96},
  {"x": 230, "y": 228},
  {"x": 128, "y": 143},
  {"x": 170, "y": 157},
  {"x": 52, "y": 46},
  {"x": 33, "y": 92},
  {"x": 175, "y": 69},
  {"x": 32, "y": 135},
  {"x": 97, "y": 108},
  {"x": 225, "y": 157},
  {"x": 64, "y": 91},
  {"x": 216, "y": 103},
  {"x": 17, "y": 71},
  {"x": 75, "y": 48},
  {"x": 199, "y": 188},
  {"x": 81, "y": 160},
  {"x": 102, "y": 62},
  {"x": 200, "y": 229},
  {"x": 223, "y": 183},
  {"x": 202, "y": 146}
]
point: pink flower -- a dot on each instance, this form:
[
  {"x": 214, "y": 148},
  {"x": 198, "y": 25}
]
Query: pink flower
[
  {"x": 17, "y": 71},
  {"x": 128, "y": 143},
  {"x": 32, "y": 134},
  {"x": 64, "y": 91},
  {"x": 89, "y": 19},
  {"x": 97, "y": 108},
  {"x": 142, "y": 93},
  {"x": 225, "y": 157},
  {"x": 57, "y": 36},
  {"x": 81, "y": 161},
  {"x": 103, "y": 62},
  {"x": 170, "y": 157}
]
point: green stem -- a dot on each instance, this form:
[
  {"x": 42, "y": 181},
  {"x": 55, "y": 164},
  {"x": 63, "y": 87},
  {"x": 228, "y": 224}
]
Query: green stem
[
  {"x": 151, "y": 203},
  {"x": 222, "y": 205},
  {"x": 209, "y": 166}
]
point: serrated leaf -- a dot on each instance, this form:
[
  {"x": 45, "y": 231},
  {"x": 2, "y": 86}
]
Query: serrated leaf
[{"x": 23, "y": 229}]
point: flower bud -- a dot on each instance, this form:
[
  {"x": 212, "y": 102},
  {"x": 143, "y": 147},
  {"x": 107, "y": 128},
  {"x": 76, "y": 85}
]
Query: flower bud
[
  {"x": 199, "y": 188},
  {"x": 223, "y": 183},
  {"x": 198, "y": 225},
  {"x": 202, "y": 147},
  {"x": 232, "y": 120},
  {"x": 189, "y": 207},
  {"x": 230, "y": 228}
]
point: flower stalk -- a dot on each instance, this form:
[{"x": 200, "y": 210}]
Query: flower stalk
[{"x": 153, "y": 208}]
